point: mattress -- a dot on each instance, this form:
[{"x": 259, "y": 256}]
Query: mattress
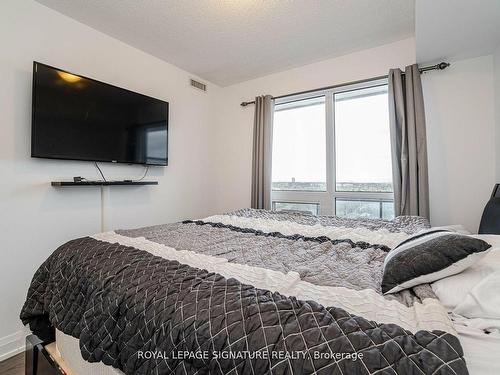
[
  {"x": 303, "y": 289},
  {"x": 69, "y": 349}
]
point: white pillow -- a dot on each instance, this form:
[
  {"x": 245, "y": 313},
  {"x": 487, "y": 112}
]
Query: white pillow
[
  {"x": 483, "y": 301},
  {"x": 453, "y": 290}
]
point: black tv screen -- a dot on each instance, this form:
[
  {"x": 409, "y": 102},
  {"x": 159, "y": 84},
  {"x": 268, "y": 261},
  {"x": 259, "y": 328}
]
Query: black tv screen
[{"x": 79, "y": 118}]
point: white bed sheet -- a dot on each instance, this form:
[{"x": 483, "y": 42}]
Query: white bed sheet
[{"x": 481, "y": 351}]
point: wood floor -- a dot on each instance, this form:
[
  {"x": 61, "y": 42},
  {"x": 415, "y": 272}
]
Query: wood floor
[{"x": 13, "y": 365}]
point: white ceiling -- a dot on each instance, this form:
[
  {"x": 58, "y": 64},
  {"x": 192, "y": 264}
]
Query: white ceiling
[
  {"x": 456, "y": 29},
  {"x": 230, "y": 41}
]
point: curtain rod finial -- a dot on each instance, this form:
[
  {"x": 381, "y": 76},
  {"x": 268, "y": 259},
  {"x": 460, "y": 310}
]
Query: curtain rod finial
[
  {"x": 244, "y": 104},
  {"x": 443, "y": 65}
]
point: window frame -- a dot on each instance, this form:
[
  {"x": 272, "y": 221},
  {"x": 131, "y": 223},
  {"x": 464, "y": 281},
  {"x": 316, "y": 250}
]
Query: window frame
[
  {"x": 273, "y": 204},
  {"x": 327, "y": 199},
  {"x": 379, "y": 201}
]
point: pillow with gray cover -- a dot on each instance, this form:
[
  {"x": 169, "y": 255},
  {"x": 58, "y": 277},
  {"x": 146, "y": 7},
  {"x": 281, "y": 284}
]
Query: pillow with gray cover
[{"x": 429, "y": 256}]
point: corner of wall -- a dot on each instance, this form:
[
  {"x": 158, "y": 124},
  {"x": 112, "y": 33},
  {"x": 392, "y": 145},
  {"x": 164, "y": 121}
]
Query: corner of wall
[
  {"x": 496, "y": 75},
  {"x": 461, "y": 140}
]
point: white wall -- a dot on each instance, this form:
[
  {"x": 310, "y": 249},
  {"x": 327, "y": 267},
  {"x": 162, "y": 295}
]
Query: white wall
[
  {"x": 36, "y": 218},
  {"x": 235, "y": 123},
  {"x": 461, "y": 140},
  {"x": 463, "y": 160}
]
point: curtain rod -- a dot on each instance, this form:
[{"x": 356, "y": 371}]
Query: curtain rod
[{"x": 440, "y": 66}]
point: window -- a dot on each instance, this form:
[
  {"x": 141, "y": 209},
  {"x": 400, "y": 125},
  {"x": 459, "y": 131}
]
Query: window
[
  {"x": 332, "y": 152},
  {"x": 364, "y": 209},
  {"x": 362, "y": 140},
  {"x": 299, "y": 149}
]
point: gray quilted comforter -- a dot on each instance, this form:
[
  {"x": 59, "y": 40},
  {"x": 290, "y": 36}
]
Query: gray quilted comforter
[{"x": 251, "y": 292}]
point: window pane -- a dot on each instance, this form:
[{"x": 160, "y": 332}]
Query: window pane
[
  {"x": 388, "y": 210},
  {"x": 362, "y": 140},
  {"x": 303, "y": 207},
  {"x": 355, "y": 209},
  {"x": 299, "y": 145}
]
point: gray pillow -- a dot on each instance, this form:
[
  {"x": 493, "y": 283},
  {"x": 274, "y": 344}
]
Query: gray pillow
[{"x": 429, "y": 256}]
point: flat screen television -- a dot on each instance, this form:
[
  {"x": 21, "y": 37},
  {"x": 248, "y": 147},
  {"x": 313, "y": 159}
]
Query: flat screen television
[{"x": 79, "y": 118}]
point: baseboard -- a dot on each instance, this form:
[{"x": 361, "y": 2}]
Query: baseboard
[{"x": 12, "y": 344}]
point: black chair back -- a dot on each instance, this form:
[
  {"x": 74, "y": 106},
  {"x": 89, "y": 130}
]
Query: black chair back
[{"x": 490, "y": 221}]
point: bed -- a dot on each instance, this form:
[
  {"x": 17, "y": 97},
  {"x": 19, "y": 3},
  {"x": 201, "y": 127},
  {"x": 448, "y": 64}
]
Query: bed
[{"x": 248, "y": 292}]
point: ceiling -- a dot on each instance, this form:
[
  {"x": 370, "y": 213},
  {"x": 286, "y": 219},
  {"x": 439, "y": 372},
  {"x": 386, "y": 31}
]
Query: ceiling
[
  {"x": 456, "y": 29},
  {"x": 230, "y": 41}
]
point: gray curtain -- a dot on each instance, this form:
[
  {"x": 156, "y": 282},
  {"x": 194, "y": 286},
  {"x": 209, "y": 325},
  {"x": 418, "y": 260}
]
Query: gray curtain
[
  {"x": 408, "y": 142},
  {"x": 262, "y": 152}
]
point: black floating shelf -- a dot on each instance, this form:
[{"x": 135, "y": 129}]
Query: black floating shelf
[{"x": 103, "y": 183}]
